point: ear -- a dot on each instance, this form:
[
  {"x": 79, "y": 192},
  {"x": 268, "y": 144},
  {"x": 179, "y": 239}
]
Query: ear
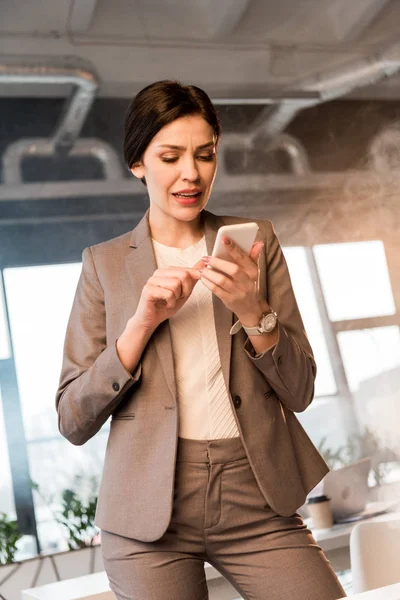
[{"x": 137, "y": 170}]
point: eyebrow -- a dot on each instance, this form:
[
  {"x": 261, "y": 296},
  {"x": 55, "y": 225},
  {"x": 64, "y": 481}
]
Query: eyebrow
[{"x": 173, "y": 147}]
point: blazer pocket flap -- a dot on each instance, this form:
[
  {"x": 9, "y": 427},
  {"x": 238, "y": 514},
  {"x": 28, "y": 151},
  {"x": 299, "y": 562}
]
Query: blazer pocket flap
[{"x": 123, "y": 417}]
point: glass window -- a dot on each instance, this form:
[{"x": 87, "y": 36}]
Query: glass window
[
  {"x": 5, "y": 350},
  {"x": 300, "y": 275},
  {"x": 355, "y": 280},
  {"x": 6, "y": 491},
  {"x": 39, "y": 300},
  {"x": 368, "y": 352}
]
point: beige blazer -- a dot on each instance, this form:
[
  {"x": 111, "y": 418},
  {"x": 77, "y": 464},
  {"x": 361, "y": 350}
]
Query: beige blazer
[{"x": 136, "y": 492}]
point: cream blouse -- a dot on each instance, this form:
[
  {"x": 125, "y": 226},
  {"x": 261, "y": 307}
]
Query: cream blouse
[{"x": 203, "y": 401}]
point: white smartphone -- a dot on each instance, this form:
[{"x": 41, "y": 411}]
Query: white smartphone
[{"x": 243, "y": 234}]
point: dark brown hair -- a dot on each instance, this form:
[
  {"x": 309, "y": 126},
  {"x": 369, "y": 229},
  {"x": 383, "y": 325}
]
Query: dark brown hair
[{"x": 158, "y": 105}]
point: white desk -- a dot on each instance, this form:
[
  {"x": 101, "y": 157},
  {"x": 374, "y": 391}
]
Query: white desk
[
  {"x": 90, "y": 587},
  {"x": 389, "y": 592},
  {"x": 96, "y": 587},
  {"x": 334, "y": 542}
]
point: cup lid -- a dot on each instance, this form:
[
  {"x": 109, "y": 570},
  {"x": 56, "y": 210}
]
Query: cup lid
[{"x": 317, "y": 499}]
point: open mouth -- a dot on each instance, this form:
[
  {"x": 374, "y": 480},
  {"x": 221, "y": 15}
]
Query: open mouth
[{"x": 183, "y": 196}]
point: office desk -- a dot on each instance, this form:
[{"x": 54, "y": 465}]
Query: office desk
[
  {"x": 335, "y": 541},
  {"x": 90, "y": 587},
  {"x": 389, "y": 592},
  {"x": 96, "y": 587}
]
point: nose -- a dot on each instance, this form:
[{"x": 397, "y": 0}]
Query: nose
[{"x": 190, "y": 170}]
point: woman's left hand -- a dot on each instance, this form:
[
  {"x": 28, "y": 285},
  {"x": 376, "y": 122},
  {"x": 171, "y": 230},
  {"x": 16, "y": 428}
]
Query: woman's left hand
[{"x": 236, "y": 282}]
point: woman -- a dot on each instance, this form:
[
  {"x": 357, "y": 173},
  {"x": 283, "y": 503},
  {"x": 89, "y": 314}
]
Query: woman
[{"x": 205, "y": 460}]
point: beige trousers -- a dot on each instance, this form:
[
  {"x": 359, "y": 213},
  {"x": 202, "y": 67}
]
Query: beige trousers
[{"x": 220, "y": 516}]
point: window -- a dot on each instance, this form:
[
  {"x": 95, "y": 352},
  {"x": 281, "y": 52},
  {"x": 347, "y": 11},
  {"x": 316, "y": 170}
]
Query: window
[
  {"x": 325, "y": 384},
  {"x": 6, "y": 491},
  {"x": 40, "y": 300},
  {"x": 355, "y": 280},
  {"x": 346, "y": 301},
  {"x": 369, "y": 352},
  {"x": 5, "y": 350}
]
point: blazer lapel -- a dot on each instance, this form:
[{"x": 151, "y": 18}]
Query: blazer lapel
[
  {"x": 223, "y": 317},
  {"x": 141, "y": 264}
]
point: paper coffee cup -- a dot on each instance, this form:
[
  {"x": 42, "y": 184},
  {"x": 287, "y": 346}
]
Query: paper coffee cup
[{"x": 319, "y": 508}]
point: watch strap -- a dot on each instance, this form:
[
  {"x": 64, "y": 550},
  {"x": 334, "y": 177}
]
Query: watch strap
[
  {"x": 249, "y": 330},
  {"x": 235, "y": 328},
  {"x": 252, "y": 330}
]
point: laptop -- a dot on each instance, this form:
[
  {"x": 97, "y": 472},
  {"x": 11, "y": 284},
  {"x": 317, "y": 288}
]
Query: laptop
[{"x": 348, "y": 489}]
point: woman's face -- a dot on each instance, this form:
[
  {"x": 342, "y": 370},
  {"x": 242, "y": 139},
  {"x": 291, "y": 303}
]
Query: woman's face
[{"x": 179, "y": 165}]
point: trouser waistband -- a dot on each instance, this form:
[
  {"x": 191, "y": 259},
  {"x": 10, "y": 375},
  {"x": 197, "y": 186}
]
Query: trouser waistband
[{"x": 210, "y": 451}]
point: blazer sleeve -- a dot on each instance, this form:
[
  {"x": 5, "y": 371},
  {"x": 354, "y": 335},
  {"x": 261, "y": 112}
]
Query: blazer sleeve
[
  {"x": 288, "y": 366},
  {"x": 93, "y": 380}
]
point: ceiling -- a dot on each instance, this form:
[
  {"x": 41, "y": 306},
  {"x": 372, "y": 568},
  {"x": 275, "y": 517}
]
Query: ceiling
[{"x": 235, "y": 49}]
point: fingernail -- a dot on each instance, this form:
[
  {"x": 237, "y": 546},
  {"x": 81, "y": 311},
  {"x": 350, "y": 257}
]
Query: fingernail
[
  {"x": 206, "y": 259},
  {"x": 226, "y": 241}
]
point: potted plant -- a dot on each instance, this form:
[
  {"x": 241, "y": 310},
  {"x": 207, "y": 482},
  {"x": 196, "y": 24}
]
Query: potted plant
[
  {"x": 9, "y": 536},
  {"x": 77, "y": 516}
]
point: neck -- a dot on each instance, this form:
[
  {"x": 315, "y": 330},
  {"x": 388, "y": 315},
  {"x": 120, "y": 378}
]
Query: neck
[{"x": 178, "y": 234}]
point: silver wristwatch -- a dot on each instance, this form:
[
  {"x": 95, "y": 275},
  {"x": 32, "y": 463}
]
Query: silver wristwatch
[{"x": 267, "y": 323}]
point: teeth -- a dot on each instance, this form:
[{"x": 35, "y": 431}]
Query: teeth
[{"x": 187, "y": 195}]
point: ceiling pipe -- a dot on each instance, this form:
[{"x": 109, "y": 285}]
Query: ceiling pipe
[
  {"x": 272, "y": 97},
  {"x": 334, "y": 84},
  {"x": 62, "y": 71},
  {"x": 294, "y": 149},
  {"x": 65, "y": 70},
  {"x": 42, "y": 147}
]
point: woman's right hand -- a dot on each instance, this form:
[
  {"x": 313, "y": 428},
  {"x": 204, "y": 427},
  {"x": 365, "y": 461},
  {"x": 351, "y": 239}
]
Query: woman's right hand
[{"x": 164, "y": 294}]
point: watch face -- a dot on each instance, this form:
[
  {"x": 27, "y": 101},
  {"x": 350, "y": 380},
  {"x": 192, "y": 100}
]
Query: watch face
[{"x": 269, "y": 322}]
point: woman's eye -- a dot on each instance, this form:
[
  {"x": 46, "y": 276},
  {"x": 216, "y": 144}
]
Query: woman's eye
[
  {"x": 207, "y": 157},
  {"x": 170, "y": 159}
]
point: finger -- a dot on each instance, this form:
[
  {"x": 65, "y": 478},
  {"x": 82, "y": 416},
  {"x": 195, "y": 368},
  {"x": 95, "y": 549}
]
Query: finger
[
  {"x": 233, "y": 249},
  {"x": 177, "y": 272},
  {"x": 224, "y": 266},
  {"x": 160, "y": 296},
  {"x": 174, "y": 284},
  {"x": 235, "y": 270},
  {"x": 222, "y": 281},
  {"x": 216, "y": 289},
  {"x": 199, "y": 265},
  {"x": 256, "y": 251}
]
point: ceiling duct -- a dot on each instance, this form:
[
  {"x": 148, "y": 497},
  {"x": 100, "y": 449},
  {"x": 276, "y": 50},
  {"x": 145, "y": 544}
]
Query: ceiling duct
[
  {"x": 64, "y": 70},
  {"x": 293, "y": 148},
  {"x": 42, "y": 147},
  {"x": 331, "y": 85}
]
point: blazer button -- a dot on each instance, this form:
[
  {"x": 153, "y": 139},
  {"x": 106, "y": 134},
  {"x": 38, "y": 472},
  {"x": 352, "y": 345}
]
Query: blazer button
[
  {"x": 237, "y": 401},
  {"x": 115, "y": 386},
  {"x": 279, "y": 360}
]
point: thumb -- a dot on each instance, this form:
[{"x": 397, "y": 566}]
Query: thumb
[
  {"x": 194, "y": 271},
  {"x": 199, "y": 265},
  {"x": 256, "y": 251}
]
